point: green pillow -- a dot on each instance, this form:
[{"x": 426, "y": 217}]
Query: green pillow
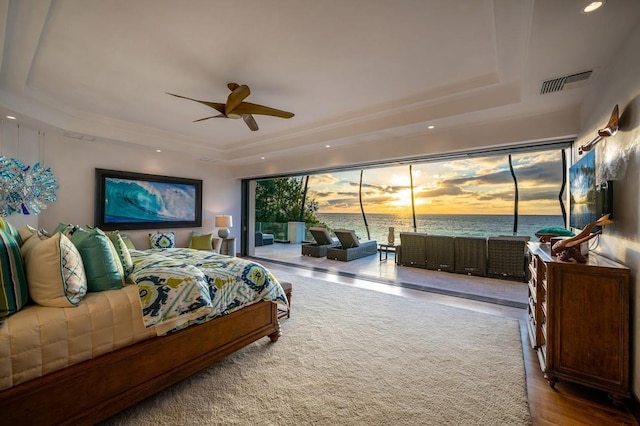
[
  {"x": 101, "y": 264},
  {"x": 123, "y": 251},
  {"x": 64, "y": 228},
  {"x": 555, "y": 231},
  {"x": 201, "y": 242},
  {"x": 128, "y": 242},
  {"x": 193, "y": 233},
  {"x": 14, "y": 292},
  {"x": 9, "y": 229}
]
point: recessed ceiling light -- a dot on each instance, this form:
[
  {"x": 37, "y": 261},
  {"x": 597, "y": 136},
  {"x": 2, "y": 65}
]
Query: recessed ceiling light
[
  {"x": 594, "y": 5},
  {"x": 431, "y": 127},
  {"x": 327, "y": 146},
  {"x": 262, "y": 158},
  {"x": 11, "y": 117},
  {"x": 158, "y": 150}
]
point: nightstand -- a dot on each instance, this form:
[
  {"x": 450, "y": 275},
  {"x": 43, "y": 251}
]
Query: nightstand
[{"x": 228, "y": 246}]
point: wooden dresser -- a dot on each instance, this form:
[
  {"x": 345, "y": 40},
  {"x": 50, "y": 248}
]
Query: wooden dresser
[{"x": 579, "y": 320}]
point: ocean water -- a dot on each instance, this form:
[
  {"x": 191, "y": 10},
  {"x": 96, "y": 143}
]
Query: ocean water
[
  {"x": 439, "y": 224},
  {"x": 140, "y": 201}
]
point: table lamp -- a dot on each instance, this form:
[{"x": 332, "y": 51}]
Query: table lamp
[{"x": 224, "y": 222}]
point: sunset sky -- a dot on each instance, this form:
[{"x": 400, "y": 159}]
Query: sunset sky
[{"x": 481, "y": 185}]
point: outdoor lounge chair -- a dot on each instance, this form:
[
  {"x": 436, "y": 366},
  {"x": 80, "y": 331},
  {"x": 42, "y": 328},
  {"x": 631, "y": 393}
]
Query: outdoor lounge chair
[
  {"x": 350, "y": 247},
  {"x": 323, "y": 241}
]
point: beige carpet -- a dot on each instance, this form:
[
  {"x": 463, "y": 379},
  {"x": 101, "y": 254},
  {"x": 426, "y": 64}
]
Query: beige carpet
[{"x": 350, "y": 356}]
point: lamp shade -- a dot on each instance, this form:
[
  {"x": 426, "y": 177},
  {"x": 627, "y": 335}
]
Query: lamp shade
[{"x": 224, "y": 222}]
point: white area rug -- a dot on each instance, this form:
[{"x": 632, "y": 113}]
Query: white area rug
[{"x": 349, "y": 356}]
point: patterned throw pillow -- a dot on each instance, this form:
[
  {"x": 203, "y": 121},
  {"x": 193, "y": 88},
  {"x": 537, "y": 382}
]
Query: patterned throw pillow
[
  {"x": 13, "y": 281},
  {"x": 55, "y": 271},
  {"x": 123, "y": 251},
  {"x": 162, "y": 240},
  {"x": 8, "y": 228},
  {"x": 100, "y": 258}
]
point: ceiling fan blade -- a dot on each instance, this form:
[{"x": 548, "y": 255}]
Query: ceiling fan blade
[
  {"x": 215, "y": 105},
  {"x": 213, "y": 116},
  {"x": 249, "y": 108},
  {"x": 236, "y": 97},
  {"x": 251, "y": 122}
]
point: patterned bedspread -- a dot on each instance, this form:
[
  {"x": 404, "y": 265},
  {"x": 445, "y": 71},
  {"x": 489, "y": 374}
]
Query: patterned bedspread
[{"x": 179, "y": 287}]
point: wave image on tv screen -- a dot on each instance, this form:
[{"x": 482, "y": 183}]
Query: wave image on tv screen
[
  {"x": 145, "y": 202},
  {"x": 582, "y": 192}
]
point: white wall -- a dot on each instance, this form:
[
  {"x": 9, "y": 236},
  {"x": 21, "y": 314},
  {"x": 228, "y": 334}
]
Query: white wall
[
  {"x": 23, "y": 143},
  {"x": 74, "y": 161},
  {"x": 618, "y": 159}
]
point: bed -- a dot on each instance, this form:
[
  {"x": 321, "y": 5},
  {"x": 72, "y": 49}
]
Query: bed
[{"x": 181, "y": 310}]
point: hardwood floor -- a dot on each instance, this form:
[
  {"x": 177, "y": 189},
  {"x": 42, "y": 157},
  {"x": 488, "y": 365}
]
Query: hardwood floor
[{"x": 568, "y": 404}]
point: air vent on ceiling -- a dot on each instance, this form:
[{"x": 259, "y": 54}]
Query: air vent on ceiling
[
  {"x": 75, "y": 135},
  {"x": 565, "y": 82}
]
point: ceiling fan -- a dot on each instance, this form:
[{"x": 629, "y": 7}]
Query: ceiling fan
[{"x": 235, "y": 107}]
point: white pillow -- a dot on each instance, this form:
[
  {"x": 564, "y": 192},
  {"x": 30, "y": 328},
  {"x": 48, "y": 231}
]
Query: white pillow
[
  {"x": 55, "y": 272},
  {"x": 162, "y": 240}
]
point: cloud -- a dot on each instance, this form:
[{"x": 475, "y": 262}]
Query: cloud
[
  {"x": 494, "y": 178},
  {"x": 380, "y": 199},
  {"x": 541, "y": 174},
  {"x": 365, "y": 185},
  {"x": 341, "y": 203},
  {"x": 323, "y": 179},
  {"x": 542, "y": 194},
  {"x": 323, "y": 194},
  {"x": 447, "y": 189},
  {"x": 482, "y": 184}
]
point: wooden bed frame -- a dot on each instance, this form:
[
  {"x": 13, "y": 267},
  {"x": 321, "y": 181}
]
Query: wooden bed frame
[{"x": 93, "y": 390}]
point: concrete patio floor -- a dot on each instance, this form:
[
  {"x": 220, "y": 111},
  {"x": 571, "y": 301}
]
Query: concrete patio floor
[{"x": 491, "y": 290}]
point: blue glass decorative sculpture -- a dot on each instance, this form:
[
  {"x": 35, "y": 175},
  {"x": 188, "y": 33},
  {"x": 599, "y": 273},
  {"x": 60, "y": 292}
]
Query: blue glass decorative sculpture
[{"x": 25, "y": 189}]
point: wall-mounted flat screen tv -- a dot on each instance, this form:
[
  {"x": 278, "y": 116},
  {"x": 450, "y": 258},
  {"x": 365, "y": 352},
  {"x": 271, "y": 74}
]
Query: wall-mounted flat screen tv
[{"x": 582, "y": 191}]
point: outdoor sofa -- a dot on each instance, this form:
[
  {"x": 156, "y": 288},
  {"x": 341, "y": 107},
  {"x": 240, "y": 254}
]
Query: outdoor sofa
[
  {"x": 508, "y": 257},
  {"x": 263, "y": 239},
  {"x": 498, "y": 257},
  {"x": 435, "y": 252}
]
